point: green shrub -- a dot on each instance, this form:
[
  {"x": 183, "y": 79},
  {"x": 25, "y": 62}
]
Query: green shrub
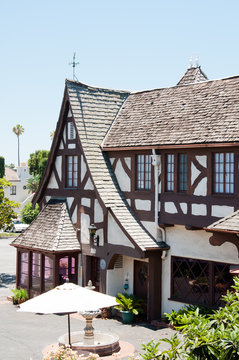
[
  {"x": 129, "y": 303},
  {"x": 20, "y": 295}
]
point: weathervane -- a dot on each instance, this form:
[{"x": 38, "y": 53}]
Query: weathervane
[{"x": 74, "y": 64}]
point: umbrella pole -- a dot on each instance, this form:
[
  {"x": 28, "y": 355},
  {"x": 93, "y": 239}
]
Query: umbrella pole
[{"x": 69, "y": 330}]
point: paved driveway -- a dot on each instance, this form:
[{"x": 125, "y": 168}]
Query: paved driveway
[{"x": 23, "y": 336}]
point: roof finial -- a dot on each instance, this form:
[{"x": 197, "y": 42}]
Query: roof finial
[
  {"x": 74, "y": 64},
  {"x": 191, "y": 62},
  {"x": 197, "y": 61}
]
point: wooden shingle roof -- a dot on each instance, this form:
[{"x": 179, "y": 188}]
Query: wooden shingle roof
[
  {"x": 200, "y": 113},
  {"x": 94, "y": 111},
  {"x": 51, "y": 231},
  {"x": 229, "y": 223}
]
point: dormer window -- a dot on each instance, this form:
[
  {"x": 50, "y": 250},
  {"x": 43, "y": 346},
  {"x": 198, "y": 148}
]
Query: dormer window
[
  {"x": 72, "y": 171},
  {"x": 71, "y": 133}
]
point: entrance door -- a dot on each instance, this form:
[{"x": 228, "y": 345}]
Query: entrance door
[
  {"x": 140, "y": 279},
  {"x": 95, "y": 272}
]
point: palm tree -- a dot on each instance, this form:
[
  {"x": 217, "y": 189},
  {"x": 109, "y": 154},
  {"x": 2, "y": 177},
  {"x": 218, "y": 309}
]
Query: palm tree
[
  {"x": 18, "y": 130},
  {"x": 33, "y": 183}
]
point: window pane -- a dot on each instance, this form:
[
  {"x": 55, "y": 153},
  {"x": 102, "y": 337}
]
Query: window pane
[
  {"x": 224, "y": 173},
  {"x": 143, "y": 176},
  {"x": 48, "y": 273},
  {"x": 24, "y": 269},
  {"x": 36, "y": 271}
]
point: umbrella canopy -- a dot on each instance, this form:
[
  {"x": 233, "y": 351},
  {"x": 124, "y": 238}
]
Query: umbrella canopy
[{"x": 68, "y": 298}]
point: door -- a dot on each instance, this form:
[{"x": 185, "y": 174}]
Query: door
[{"x": 141, "y": 279}]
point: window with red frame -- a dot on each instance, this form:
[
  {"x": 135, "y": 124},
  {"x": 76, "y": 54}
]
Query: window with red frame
[
  {"x": 223, "y": 172},
  {"x": 72, "y": 171},
  {"x": 143, "y": 173}
]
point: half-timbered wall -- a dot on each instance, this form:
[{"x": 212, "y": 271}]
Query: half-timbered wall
[{"x": 198, "y": 206}]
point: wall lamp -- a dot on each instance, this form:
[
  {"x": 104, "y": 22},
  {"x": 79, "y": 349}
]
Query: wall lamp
[{"x": 95, "y": 238}]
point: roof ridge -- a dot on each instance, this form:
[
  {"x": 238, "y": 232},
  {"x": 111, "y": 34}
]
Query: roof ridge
[{"x": 90, "y": 87}]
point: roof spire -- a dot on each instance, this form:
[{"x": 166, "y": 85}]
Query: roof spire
[
  {"x": 74, "y": 64},
  {"x": 197, "y": 61}
]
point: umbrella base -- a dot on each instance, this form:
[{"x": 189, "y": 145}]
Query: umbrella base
[{"x": 102, "y": 344}]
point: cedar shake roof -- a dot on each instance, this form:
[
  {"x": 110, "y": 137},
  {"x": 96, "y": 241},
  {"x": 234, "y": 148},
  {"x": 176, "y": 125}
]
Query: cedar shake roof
[
  {"x": 193, "y": 74},
  {"x": 229, "y": 223},
  {"x": 94, "y": 110},
  {"x": 51, "y": 231},
  {"x": 202, "y": 113},
  {"x": 11, "y": 175}
]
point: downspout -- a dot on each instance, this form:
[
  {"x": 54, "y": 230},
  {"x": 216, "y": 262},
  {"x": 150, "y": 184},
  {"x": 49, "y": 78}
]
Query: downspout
[{"x": 156, "y": 163}]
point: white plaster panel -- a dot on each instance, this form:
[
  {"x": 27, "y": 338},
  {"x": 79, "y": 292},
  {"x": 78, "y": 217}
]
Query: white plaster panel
[
  {"x": 52, "y": 184},
  {"x": 202, "y": 159},
  {"x": 74, "y": 216},
  {"x": 89, "y": 185},
  {"x": 128, "y": 162},
  {"x": 114, "y": 281},
  {"x": 201, "y": 189},
  {"x": 61, "y": 145},
  {"x": 47, "y": 198},
  {"x": 98, "y": 213},
  {"x": 221, "y": 211},
  {"x": 84, "y": 230},
  {"x": 150, "y": 226},
  {"x": 64, "y": 134},
  {"x": 83, "y": 168},
  {"x": 69, "y": 113},
  {"x": 69, "y": 201},
  {"x": 122, "y": 177},
  {"x": 194, "y": 173},
  {"x": 100, "y": 232},
  {"x": 58, "y": 165},
  {"x": 195, "y": 245},
  {"x": 85, "y": 202},
  {"x": 143, "y": 204},
  {"x": 112, "y": 160},
  {"x": 129, "y": 201},
  {"x": 199, "y": 209},
  {"x": 170, "y": 207},
  {"x": 184, "y": 207},
  {"x": 71, "y": 146},
  {"x": 116, "y": 235}
]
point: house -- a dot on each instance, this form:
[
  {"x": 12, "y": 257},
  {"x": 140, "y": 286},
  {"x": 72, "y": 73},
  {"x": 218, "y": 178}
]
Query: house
[
  {"x": 18, "y": 191},
  {"x": 149, "y": 182}
]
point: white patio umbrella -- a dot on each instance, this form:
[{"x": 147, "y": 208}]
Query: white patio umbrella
[{"x": 68, "y": 298}]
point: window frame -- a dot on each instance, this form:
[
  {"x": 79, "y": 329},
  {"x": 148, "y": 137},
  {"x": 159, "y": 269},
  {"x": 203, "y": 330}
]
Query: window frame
[
  {"x": 13, "y": 190},
  {"x": 213, "y": 295},
  {"x": 73, "y": 171},
  {"x": 170, "y": 165},
  {"x": 224, "y": 173},
  {"x": 143, "y": 183},
  {"x": 184, "y": 180}
]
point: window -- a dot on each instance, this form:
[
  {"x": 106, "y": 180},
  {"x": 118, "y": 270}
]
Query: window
[
  {"x": 23, "y": 269},
  {"x": 72, "y": 171},
  {"x": 71, "y": 131},
  {"x": 143, "y": 174},
  {"x": 223, "y": 173},
  {"x": 13, "y": 190},
  {"x": 36, "y": 271},
  {"x": 182, "y": 172},
  {"x": 48, "y": 274},
  {"x": 169, "y": 172},
  {"x": 200, "y": 282}
]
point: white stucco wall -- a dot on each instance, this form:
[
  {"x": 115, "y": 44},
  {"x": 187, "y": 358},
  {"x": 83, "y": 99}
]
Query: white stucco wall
[
  {"x": 98, "y": 212},
  {"x": 85, "y": 223},
  {"x": 122, "y": 177},
  {"x": 191, "y": 244},
  {"x": 115, "y": 278},
  {"x": 115, "y": 234}
]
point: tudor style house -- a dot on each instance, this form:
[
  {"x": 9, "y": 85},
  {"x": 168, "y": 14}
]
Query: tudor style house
[{"x": 140, "y": 194}]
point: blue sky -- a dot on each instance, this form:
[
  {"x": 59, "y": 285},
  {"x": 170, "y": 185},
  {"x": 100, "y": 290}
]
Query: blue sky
[{"x": 131, "y": 45}]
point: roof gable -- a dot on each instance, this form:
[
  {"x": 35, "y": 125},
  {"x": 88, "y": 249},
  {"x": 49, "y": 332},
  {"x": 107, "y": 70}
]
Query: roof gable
[
  {"x": 52, "y": 230},
  {"x": 194, "y": 74}
]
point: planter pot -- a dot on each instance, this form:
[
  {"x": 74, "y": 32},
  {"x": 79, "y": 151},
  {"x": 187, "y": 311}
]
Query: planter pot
[{"x": 127, "y": 317}]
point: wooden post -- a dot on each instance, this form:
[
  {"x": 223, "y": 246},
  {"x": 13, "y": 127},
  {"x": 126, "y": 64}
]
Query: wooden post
[{"x": 154, "y": 285}]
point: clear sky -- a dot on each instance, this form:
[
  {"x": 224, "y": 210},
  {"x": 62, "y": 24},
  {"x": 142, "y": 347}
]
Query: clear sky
[{"x": 131, "y": 45}]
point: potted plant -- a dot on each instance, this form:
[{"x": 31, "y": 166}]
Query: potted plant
[
  {"x": 20, "y": 295},
  {"x": 129, "y": 305}
]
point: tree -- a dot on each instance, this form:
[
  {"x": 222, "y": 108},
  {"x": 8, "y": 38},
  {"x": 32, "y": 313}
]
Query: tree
[
  {"x": 36, "y": 163},
  {"x": 28, "y": 213},
  {"x": 52, "y": 133},
  {"x": 7, "y": 213},
  {"x": 2, "y": 166},
  {"x": 18, "y": 130},
  {"x": 33, "y": 183}
]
